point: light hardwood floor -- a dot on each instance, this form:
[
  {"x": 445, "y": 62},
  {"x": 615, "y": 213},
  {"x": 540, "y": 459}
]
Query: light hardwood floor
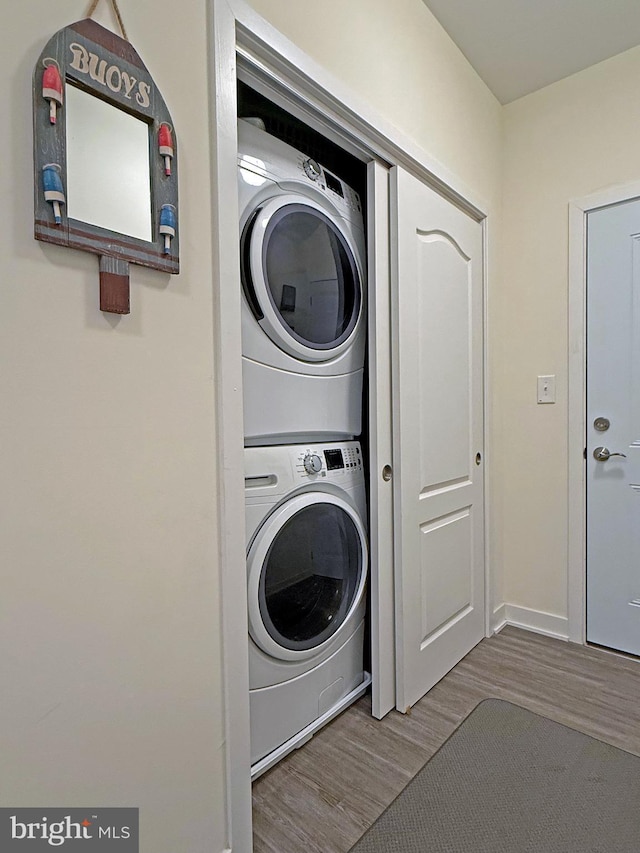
[{"x": 322, "y": 798}]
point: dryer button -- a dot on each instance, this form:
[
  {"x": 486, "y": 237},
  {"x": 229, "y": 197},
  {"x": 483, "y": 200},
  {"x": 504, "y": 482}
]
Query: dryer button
[{"x": 312, "y": 169}]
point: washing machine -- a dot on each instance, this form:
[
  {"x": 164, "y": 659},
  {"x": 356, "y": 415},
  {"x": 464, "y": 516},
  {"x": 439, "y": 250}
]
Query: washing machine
[
  {"x": 302, "y": 253},
  {"x": 307, "y": 564}
]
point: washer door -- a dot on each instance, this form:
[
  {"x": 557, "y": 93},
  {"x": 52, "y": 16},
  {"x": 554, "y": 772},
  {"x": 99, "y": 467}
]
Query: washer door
[
  {"x": 306, "y": 573},
  {"x": 301, "y": 278}
]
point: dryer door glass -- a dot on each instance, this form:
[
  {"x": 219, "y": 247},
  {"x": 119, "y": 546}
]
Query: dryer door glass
[
  {"x": 311, "y": 275},
  {"x": 311, "y": 576}
]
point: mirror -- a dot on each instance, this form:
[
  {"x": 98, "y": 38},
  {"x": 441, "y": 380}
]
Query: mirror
[
  {"x": 105, "y": 158},
  {"x": 107, "y": 166}
]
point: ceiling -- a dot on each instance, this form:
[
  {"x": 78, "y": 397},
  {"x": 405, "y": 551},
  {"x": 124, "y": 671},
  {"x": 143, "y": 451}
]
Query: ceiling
[{"x": 518, "y": 46}]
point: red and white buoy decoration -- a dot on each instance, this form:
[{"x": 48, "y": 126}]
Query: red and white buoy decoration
[
  {"x": 165, "y": 146},
  {"x": 52, "y": 88},
  {"x": 168, "y": 225},
  {"x": 53, "y": 189}
]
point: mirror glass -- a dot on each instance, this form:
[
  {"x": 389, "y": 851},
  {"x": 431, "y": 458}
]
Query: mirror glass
[{"x": 108, "y": 178}]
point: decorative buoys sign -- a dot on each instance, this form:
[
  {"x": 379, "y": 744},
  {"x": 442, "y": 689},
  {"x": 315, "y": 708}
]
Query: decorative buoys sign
[{"x": 105, "y": 157}]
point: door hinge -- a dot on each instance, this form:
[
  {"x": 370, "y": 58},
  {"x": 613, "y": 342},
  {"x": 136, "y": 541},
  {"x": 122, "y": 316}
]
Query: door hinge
[{"x": 584, "y": 453}]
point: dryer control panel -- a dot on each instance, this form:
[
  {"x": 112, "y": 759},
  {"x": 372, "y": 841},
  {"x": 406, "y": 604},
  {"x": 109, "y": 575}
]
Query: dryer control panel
[{"x": 342, "y": 194}]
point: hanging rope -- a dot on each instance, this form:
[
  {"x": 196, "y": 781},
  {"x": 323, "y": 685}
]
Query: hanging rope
[{"x": 114, "y": 3}]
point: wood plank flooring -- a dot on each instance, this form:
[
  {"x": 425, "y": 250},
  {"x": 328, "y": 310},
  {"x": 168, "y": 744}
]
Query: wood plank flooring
[{"x": 321, "y": 798}]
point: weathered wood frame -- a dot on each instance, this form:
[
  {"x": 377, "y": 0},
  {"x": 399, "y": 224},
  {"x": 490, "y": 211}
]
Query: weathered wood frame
[{"x": 142, "y": 99}]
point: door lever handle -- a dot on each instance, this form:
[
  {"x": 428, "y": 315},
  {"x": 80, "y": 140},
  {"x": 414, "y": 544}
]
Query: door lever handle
[{"x": 601, "y": 454}]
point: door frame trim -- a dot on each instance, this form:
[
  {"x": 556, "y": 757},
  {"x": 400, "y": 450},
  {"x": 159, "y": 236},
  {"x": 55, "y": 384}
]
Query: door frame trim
[
  {"x": 577, "y": 333},
  {"x": 237, "y": 29}
]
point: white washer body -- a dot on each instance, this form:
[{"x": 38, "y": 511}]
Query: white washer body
[
  {"x": 303, "y": 307},
  {"x": 307, "y": 564}
]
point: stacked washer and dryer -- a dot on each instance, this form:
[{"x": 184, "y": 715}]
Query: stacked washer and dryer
[{"x": 303, "y": 343}]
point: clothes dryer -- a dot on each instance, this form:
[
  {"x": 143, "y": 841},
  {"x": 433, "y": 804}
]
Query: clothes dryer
[
  {"x": 302, "y": 253},
  {"x": 307, "y": 563}
]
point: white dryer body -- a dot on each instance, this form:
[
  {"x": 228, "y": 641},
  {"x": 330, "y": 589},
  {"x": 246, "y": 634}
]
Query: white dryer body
[
  {"x": 307, "y": 563},
  {"x": 303, "y": 265}
]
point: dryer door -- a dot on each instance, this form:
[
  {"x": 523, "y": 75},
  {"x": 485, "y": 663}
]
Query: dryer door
[
  {"x": 301, "y": 277},
  {"x": 306, "y": 573}
]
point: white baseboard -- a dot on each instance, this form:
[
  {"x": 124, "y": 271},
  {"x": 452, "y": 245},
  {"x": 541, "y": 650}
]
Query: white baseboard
[
  {"x": 499, "y": 619},
  {"x": 531, "y": 620}
]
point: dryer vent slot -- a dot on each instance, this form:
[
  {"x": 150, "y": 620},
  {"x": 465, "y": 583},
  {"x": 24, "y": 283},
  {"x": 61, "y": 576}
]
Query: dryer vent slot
[{"x": 260, "y": 482}]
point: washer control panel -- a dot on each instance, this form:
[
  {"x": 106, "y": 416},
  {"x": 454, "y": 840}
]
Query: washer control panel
[{"x": 329, "y": 461}]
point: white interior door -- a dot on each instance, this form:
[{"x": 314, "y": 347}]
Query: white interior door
[
  {"x": 613, "y": 427},
  {"x": 438, "y": 433}
]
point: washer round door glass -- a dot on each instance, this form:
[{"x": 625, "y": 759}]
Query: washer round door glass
[
  {"x": 301, "y": 279},
  {"x": 312, "y": 575}
]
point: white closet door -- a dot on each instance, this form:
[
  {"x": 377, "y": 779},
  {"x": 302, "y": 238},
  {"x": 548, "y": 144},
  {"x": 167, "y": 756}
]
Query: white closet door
[
  {"x": 437, "y": 284},
  {"x": 383, "y": 657}
]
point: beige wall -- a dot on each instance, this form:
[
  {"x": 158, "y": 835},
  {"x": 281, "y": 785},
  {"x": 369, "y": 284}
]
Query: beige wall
[
  {"x": 399, "y": 59},
  {"x": 565, "y": 141},
  {"x": 110, "y": 630}
]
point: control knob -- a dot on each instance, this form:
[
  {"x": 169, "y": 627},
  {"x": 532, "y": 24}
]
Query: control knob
[
  {"x": 312, "y": 463},
  {"x": 312, "y": 169}
]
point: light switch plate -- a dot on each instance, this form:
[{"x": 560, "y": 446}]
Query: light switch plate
[{"x": 546, "y": 389}]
